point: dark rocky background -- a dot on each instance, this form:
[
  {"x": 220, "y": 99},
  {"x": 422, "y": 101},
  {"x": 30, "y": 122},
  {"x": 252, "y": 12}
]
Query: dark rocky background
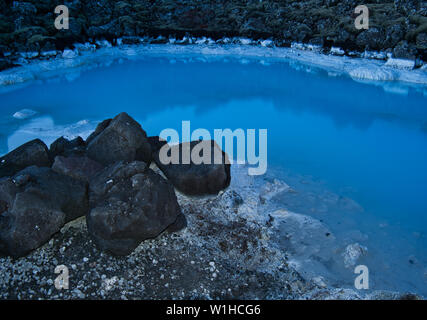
[{"x": 398, "y": 26}]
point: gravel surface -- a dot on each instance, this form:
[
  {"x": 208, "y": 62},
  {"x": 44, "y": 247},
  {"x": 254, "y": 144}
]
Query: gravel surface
[{"x": 226, "y": 252}]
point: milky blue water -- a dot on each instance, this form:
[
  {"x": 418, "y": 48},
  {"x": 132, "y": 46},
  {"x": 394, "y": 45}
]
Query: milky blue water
[{"x": 326, "y": 135}]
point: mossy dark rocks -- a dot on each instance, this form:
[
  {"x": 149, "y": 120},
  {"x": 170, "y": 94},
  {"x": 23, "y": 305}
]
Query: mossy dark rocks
[
  {"x": 34, "y": 152},
  {"x": 29, "y": 25},
  {"x": 36, "y": 203},
  {"x": 108, "y": 179}
]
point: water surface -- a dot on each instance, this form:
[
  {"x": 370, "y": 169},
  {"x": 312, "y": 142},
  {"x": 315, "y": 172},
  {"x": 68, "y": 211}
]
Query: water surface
[{"x": 326, "y": 136}]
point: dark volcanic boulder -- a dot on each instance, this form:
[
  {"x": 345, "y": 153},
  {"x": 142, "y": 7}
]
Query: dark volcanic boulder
[
  {"x": 130, "y": 203},
  {"x": 179, "y": 224},
  {"x": 34, "y": 205},
  {"x": 65, "y": 147},
  {"x": 34, "y": 152},
  {"x": 99, "y": 128},
  {"x": 119, "y": 139},
  {"x": 81, "y": 168},
  {"x": 209, "y": 175},
  {"x": 156, "y": 143},
  {"x": 30, "y": 224}
]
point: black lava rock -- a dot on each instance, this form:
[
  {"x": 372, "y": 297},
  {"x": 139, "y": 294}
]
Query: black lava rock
[
  {"x": 35, "y": 204},
  {"x": 129, "y": 203},
  {"x": 65, "y": 147},
  {"x": 34, "y": 152},
  {"x": 119, "y": 139},
  {"x": 193, "y": 178},
  {"x": 81, "y": 168}
]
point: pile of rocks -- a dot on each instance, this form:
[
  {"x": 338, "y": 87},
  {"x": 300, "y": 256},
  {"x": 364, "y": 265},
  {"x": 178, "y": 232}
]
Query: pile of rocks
[{"x": 108, "y": 179}]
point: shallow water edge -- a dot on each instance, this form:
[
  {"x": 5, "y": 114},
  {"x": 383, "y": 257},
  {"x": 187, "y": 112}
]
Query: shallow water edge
[{"x": 70, "y": 62}]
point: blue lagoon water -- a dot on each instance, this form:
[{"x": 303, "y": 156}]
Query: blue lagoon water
[{"x": 328, "y": 136}]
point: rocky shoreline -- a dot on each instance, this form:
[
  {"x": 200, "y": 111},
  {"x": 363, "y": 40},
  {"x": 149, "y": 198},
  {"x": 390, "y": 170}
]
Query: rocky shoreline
[
  {"x": 398, "y": 28},
  {"x": 135, "y": 229},
  {"x": 143, "y": 238},
  {"x": 105, "y": 178}
]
